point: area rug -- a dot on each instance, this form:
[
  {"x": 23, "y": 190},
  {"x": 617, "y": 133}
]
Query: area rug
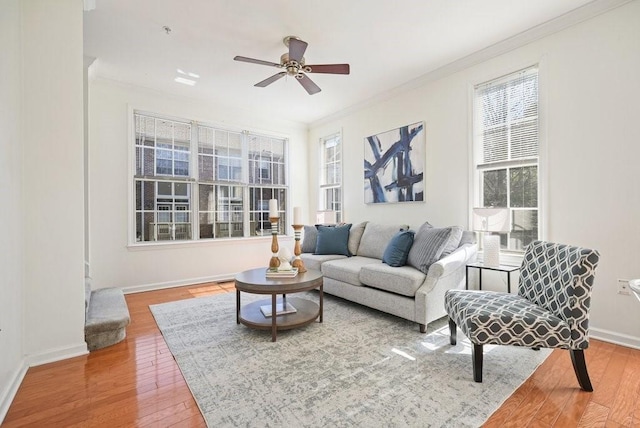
[{"x": 360, "y": 367}]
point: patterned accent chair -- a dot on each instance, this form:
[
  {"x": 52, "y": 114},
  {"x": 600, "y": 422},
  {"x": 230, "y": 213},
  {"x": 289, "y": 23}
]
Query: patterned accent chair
[{"x": 551, "y": 309}]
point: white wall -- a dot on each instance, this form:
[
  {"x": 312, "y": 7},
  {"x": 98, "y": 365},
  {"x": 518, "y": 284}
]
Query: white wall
[
  {"x": 589, "y": 86},
  {"x": 11, "y": 247},
  {"x": 52, "y": 179},
  {"x": 41, "y": 285},
  {"x": 113, "y": 264}
]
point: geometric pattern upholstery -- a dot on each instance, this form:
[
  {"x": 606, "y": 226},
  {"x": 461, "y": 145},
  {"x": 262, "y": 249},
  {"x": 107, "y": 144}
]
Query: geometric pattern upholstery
[
  {"x": 489, "y": 317},
  {"x": 551, "y": 309},
  {"x": 559, "y": 278}
]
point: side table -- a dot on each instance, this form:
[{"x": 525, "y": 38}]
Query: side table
[{"x": 481, "y": 266}]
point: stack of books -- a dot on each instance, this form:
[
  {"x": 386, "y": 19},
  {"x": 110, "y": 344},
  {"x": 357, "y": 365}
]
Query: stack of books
[
  {"x": 280, "y": 310},
  {"x": 275, "y": 273}
]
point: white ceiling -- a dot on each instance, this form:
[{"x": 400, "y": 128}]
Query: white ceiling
[{"x": 387, "y": 43}]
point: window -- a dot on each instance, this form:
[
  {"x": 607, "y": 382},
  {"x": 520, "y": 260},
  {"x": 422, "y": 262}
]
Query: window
[
  {"x": 506, "y": 152},
  {"x": 227, "y": 190},
  {"x": 331, "y": 175}
]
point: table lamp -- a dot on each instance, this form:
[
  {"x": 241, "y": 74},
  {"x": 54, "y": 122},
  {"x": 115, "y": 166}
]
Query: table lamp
[
  {"x": 326, "y": 217},
  {"x": 491, "y": 221}
]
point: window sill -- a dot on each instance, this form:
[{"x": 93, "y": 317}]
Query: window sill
[{"x": 166, "y": 245}]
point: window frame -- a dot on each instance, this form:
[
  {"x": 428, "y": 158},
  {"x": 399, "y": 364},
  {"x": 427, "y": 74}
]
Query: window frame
[
  {"x": 323, "y": 186},
  {"x": 194, "y": 182},
  {"x": 475, "y": 153}
]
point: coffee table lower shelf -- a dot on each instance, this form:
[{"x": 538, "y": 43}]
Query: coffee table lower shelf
[{"x": 307, "y": 312}]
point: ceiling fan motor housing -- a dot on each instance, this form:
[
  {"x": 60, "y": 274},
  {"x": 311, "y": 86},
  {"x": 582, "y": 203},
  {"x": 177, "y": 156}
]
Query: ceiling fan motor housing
[{"x": 294, "y": 68}]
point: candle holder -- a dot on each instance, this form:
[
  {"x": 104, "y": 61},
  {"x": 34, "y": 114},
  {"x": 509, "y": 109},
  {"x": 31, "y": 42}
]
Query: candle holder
[
  {"x": 275, "y": 261},
  {"x": 297, "y": 261}
]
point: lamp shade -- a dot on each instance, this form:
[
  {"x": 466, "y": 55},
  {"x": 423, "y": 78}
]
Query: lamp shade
[
  {"x": 491, "y": 220},
  {"x": 326, "y": 217}
]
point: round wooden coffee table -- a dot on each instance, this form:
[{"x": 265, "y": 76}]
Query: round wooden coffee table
[{"x": 254, "y": 281}]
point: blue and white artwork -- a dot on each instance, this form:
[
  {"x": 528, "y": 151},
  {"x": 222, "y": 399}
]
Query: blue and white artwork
[{"x": 394, "y": 165}]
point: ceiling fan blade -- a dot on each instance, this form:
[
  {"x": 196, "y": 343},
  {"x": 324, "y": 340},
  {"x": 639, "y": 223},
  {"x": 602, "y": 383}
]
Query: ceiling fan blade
[
  {"x": 296, "y": 49},
  {"x": 271, "y": 79},
  {"x": 308, "y": 84},
  {"x": 328, "y": 68},
  {"x": 256, "y": 61}
]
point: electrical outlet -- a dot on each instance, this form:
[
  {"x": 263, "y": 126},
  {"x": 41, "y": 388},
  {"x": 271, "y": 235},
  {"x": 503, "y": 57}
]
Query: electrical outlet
[{"x": 623, "y": 287}]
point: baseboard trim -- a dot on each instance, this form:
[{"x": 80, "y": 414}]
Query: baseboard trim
[
  {"x": 616, "y": 338},
  {"x": 57, "y": 354},
  {"x": 10, "y": 392},
  {"x": 179, "y": 283}
]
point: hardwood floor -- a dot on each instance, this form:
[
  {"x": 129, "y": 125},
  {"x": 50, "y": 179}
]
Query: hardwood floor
[{"x": 137, "y": 383}]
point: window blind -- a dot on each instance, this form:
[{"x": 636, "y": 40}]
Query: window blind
[{"x": 508, "y": 111}]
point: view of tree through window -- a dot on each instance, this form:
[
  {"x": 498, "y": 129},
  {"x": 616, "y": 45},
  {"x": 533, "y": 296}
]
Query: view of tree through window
[
  {"x": 227, "y": 191},
  {"x": 506, "y": 147}
]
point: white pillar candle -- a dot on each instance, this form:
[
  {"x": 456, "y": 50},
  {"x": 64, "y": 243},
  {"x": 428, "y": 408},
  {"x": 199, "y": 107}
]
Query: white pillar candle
[
  {"x": 273, "y": 208},
  {"x": 297, "y": 215}
]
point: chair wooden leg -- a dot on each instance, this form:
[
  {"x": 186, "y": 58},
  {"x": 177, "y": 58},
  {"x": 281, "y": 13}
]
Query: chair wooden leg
[
  {"x": 580, "y": 367},
  {"x": 423, "y": 328},
  {"x": 452, "y": 332},
  {"x": 476, "y": 354}
]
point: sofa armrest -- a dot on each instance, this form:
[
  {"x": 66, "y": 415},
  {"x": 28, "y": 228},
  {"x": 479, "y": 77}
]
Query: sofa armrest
[
  {"x": 446, "y": 274},
  {"x": 453, "y": 264}
]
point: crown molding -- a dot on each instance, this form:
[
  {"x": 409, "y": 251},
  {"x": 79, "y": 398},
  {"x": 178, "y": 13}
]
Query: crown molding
[{"x": 562, "y": 22}]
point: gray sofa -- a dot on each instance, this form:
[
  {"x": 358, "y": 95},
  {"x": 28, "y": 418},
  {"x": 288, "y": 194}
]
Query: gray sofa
[{"x": 414, "y": 291}]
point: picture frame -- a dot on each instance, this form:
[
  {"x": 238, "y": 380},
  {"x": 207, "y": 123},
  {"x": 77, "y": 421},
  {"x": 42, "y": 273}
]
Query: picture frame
[{"x": 394, "y": 164}]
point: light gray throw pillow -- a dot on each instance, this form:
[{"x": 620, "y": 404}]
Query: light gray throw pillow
[
  {"x": 355, "y": 234},
  {"x": 453, "y": 242},
  {"x": 468, "y": 237},
  {"x": 428, "y": 245},
  {"x": 309, "y": 239}
]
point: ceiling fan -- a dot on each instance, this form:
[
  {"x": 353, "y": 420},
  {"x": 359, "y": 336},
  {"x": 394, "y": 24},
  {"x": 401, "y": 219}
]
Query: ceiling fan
[{"x": 293, "y": 64}]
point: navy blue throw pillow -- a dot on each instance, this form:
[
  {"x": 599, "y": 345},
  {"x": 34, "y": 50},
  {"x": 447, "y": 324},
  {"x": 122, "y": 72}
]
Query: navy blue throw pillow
[
  {"x": 333, "y": 240},
  {"x": 398, "y": 248}
]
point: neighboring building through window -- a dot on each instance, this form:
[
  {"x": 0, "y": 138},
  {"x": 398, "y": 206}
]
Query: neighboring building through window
[
  {"x": 506, "y": 152},
  {"x": 227, "y": 191},
  {"x": 331, "y": 175}
]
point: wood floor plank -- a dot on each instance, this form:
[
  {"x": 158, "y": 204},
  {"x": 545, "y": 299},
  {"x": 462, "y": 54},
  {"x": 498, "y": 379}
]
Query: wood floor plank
[
  {"x": 138, "y": 383},
  {"x": 574, "y": 409},
  {"x": 607, "y": 389},
  {"x": 626, "y": 399},
  {"x": 595, "y": 415}
]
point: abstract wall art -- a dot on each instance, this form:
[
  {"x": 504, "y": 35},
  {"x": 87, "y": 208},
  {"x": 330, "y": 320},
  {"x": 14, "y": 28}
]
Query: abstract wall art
[{"x": 394, "y": 165}]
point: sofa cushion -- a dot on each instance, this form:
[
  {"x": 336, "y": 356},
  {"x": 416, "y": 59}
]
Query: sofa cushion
[
  {"x": 402, "y": 280},
  {"x": 375, "y": 239},
  {"x": 333, "y": 240},
  {"x": 309, "y": 239},
  {"x": 428, "y": 245},
  {"x": 347, "y": 269},
  {"x": 314, "y": 261},
  {"x": 355, "y": 234},
  {"x": 398, "y": 248}
]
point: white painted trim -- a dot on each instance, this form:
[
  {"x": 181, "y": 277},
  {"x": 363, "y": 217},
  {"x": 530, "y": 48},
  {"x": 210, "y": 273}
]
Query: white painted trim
[
  {"x": 613, "y": 337},
  {"x": 178, "y": 283},
  {"x": 569, "y": 19},
  {"x": 543, "y": 152},
  {"x": 57, "y": 354},
  {"x": 12, "y": 389}
]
